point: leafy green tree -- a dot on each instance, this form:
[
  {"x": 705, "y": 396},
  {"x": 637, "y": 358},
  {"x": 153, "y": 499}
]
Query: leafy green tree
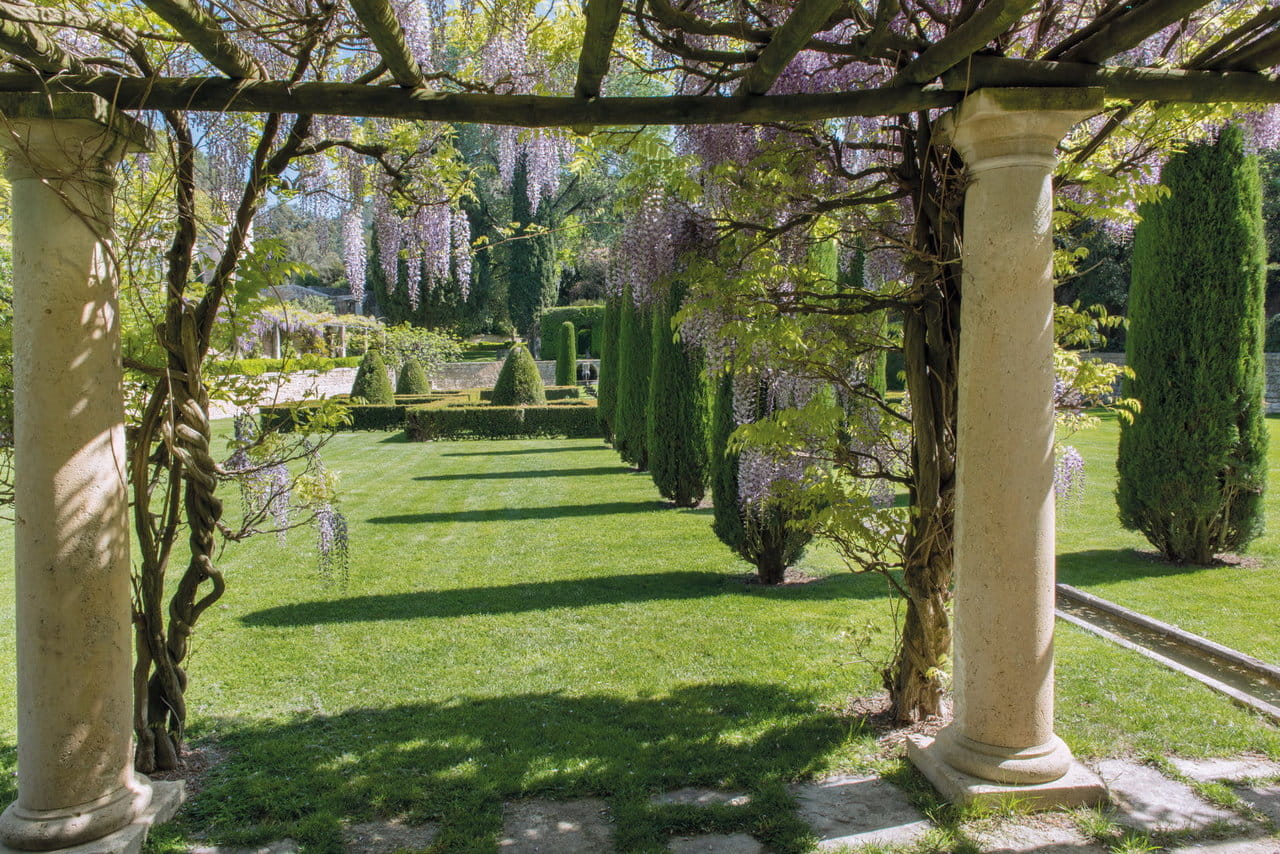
[
  {"x": 1193, "y": 461},
  {"x": 519, "y": 383},
  {"x": 677, "y": 416},
  {"x": 372, "y": 384},
  {"x": 567, "y": 355},
  {"x": 532, "y": 281},
  {"x": 607, "y": 387},
  {"x": 412, "y": 379},
  {"x": 631, "y": 421}
]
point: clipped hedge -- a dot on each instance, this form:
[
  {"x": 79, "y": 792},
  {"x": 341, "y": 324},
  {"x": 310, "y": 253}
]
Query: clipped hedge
[
  {"x": 553, "y": 392},
  {"x": 283, "y": 417},
  {"x": 568, "y": 419},
  {"x": 257, "y": 367},
  {"x": 581, "y": 316}
]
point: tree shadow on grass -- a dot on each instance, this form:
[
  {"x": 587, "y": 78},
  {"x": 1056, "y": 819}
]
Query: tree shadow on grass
[
  {"x": 1097, "y": 566},
  {"x": 553, "y": 595},
  {"x": 522, "y": 451},
  {"x": 456, "y": 762},
  {"x": 8, "y": 767},
  {"x": 516, "y": 514},
  {"x": 527, "y": 473}
]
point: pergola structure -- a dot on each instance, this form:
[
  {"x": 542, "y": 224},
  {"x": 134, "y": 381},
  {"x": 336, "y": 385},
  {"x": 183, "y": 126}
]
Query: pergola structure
[{"x": 66, "y": 125}]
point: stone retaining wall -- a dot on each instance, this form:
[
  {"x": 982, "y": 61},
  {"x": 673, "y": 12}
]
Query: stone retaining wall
[{"x": 1272, "y": 371}]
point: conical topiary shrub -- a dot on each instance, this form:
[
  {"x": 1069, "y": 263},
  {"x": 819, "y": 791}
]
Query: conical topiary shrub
[
  {"x": 372, "y": 384},
  {"x": 412, "y": 379},
  {"x": 519, "y": 383}
]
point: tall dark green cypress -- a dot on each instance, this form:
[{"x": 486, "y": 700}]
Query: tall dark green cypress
[
  {"x": 567, "y": 355},
  {"x": 1193, "y": 462},
  {"x": 532, "y": 284},
  {"x": 630, "y": 425},
  {"x": 762, "y": 536},
  {"x": 607, "y": 387},
  {"x": 677, "y": 418}
]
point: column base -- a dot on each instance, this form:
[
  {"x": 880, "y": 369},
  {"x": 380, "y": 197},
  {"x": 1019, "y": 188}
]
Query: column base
[
  {"x": 67, "y": 832},
  {"x": 1076, "y": 788}
]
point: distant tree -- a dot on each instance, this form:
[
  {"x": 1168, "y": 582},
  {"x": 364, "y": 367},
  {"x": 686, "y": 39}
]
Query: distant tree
[
  {"x": 519, "y": 383},
  {"x": 567, "y": 355},
  {"x": 1193, "y": 462},
  {"x": 412, "y": 379},
  {"x": 371, "y": 383},
  {"x": 631, "y": 423},
  {"x": 677, "y": 410},
  {"x": 607, "y": 388}
]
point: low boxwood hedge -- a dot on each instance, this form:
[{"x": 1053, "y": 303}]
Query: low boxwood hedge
[
  {"x": 554, "y": 392},
  {"x": 574, "y": 419},
  {"x": 257, "y": 367},
  {"x": 283, "y": 417}
]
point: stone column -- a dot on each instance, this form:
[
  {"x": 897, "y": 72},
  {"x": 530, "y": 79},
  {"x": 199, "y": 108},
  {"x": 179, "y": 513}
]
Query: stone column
[
  {"x": 74, "y": 639},
  {"x": 342, "y": 341},
  {"x": 1004, "y": 526}
]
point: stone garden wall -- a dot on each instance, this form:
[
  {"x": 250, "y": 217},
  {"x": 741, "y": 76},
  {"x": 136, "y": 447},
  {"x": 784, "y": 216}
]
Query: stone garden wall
[{"x": 1272, "y": 369}]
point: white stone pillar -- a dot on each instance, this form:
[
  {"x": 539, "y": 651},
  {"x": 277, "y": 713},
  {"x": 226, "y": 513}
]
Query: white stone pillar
[
  {"x": 1004, "y": 527},
  {"x": 74, "y": 639}
]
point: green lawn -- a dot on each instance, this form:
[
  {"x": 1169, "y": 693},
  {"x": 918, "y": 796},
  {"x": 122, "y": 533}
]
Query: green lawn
[{"x": 526, "y": 617}]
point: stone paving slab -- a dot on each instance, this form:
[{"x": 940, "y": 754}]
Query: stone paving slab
[
  {"x": 1264, "y": 799},
  {"x": 858, "y": 811},
  {"x": 1149, "y": 801},
  {"x": 697, "y": 797},
  {"x": 284, "y": 846},
  {"x": 1237, "y": 846},
  {"x": 716, "y": 843},
  {"x": 386, "y": 837},
  {"x": 1215, "y": 770},
  {"x": 538, "y": 826},
  {"x": 1036, "y": 835}
]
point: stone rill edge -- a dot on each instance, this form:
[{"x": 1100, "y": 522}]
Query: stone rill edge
[
  {"x": 166, "y": 797},
  {"x": 1079, "y": 787}
]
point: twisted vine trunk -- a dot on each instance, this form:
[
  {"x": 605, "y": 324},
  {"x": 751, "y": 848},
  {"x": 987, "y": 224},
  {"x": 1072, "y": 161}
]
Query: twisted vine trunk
[{"x": 917, "y": 679}]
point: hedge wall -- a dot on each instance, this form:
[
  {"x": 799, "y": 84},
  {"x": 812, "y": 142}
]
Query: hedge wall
[
  {"x": 568, "y": 419},
  {"x": 581, "y": 316},
  {"x": 284, "y": 417},
  {"x": 257, "y": 367}
]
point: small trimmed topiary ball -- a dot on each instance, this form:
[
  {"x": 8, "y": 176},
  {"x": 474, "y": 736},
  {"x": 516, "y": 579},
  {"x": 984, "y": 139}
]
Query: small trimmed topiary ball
[
  {"x": 372, "y": 384},
  {"x": 412, "y": 379},
  {"x": 519, "y": 383}
]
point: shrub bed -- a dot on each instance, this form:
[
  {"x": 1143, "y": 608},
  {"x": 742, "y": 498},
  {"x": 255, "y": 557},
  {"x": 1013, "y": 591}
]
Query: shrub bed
[{"x": 572, "y": 419}]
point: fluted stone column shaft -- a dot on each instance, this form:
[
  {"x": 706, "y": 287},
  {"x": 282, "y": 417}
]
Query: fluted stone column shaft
[
  {"x": 1004, "y": 528},
  {"x": 74, "y": 639}
]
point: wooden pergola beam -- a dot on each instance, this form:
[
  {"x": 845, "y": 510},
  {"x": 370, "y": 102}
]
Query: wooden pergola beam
[
  {"x": 1130, "y": 30},
  {"x": 219, "y": 94},
  {"x": 383, "y": 27},
  {"x": 994, "y": 18},
  {"x": 1262, "y": 52},
  {"x": 204, "y": 34},
  {"x": 1132, "y": 84},
  {"x": 597, "y": 44},
  {"x": 29, "y": 42},
  {"x": 806, "y": 18}
]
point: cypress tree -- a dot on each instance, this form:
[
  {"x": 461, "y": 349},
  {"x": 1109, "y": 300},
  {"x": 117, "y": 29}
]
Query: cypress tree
[
  {"x": 1193, "y": 462},
  {"x": 567, "y": 355},
  {"x": 532, "y": 284},
  {"x": 630, "y": 425},
  {"x": 677, "y": 416},
  {"x": 519, "y": 383},
  {"x": 372, "y": 384},
  {"x": 412, "y": 378},
  {"x": 607, "y": 387},
  {"x": 763, "y": 536}
]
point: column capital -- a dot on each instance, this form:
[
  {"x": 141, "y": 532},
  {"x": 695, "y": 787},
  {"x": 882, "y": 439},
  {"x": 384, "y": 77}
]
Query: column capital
[
  {"x": 64, "y": 134},
  {"x": 1017, "y": 126}
]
